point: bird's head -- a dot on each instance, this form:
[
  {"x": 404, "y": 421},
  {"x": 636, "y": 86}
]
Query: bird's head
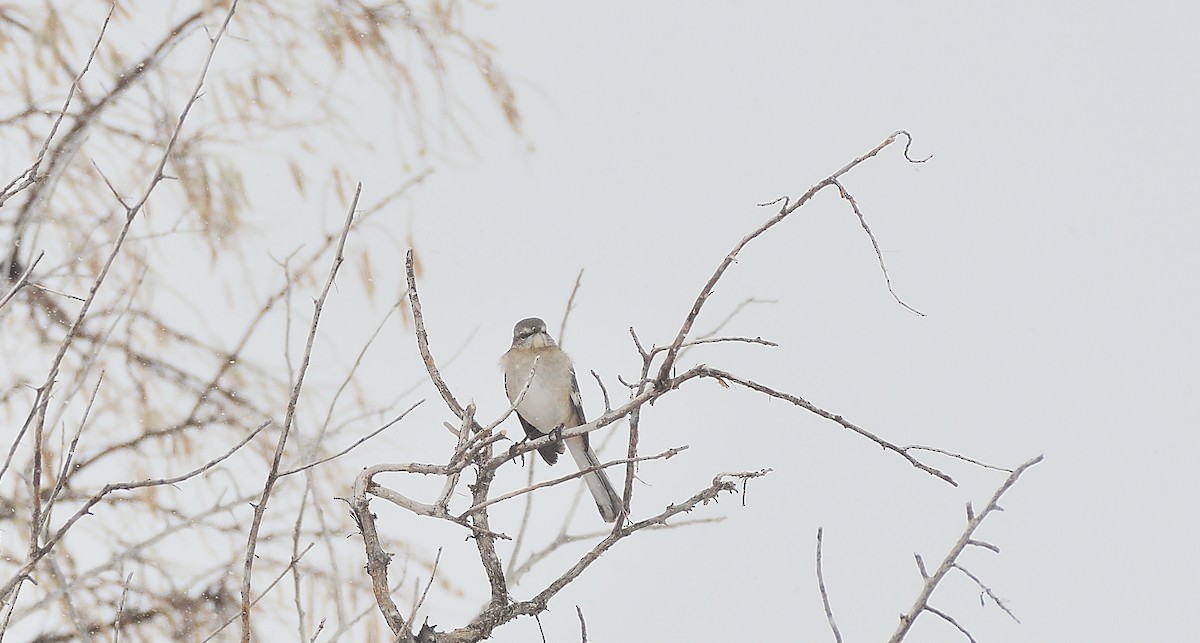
[{"x": 531, "y": 333}]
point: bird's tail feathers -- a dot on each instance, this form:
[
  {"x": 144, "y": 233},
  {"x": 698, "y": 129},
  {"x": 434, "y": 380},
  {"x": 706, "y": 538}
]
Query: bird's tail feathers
[{"x": 608, "y": 501}]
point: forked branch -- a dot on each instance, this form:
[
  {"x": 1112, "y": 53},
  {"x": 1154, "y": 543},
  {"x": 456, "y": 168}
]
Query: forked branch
[{"x": 951, "y": 560}]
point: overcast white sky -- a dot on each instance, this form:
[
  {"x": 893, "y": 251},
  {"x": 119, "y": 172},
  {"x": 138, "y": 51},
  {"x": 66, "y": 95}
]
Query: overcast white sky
[{"x": 1051, "y": 241}]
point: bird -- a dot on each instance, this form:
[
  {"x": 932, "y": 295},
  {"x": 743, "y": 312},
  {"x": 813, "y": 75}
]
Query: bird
[{"x": 552, "y": 403}]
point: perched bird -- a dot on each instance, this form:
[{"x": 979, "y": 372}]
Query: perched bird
[{"x": 552, "y": 402}]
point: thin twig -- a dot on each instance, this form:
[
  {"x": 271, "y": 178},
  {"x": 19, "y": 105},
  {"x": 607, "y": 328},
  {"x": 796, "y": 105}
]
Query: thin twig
[
  {"x": 665, "y": 455},
  {"x": 1001, "y": 603},
  {"x": 412, "y": 616},
  {"x": 362, "y": 353},
  {"x": 526, "y": 514},
  {"x": 582, "y": 625},
  {"x": 603, "y": 390},
  {"x": 950, "y": 619},
  {"x": 837, "y": 635},
  {"x": 959, "y": 456},
  {"x": 317, "y": 632},
  {"x": 65, "y": 469},
  {"x": 717, "y": 340},
  {"x": 30, "y": 175},
  {"x": 21, "y": 281},
  {"x": 286, "y": 570},
  {"x": 121, "y": 609},
  {"x": 85, "y": 509},
  {"x": 495, "y": 615},
  {"x": 44, "y": 391},
  {"x": 562, "y": 328},
  {"x": 812, "y": 408},
  {"x": 289, "y": 417},
  {"x": 354, "y": 445},
  {"x": 296, "y": 575},
  {"x": 862, "y": 221}
]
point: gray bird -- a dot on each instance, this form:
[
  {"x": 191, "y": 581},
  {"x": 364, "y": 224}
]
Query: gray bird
[{"x": 552, "y": 402}]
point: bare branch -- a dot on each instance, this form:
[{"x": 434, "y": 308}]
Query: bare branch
[
  {"x": 812, "y": 408},
  {"x": 734, "y": 313},
  {"x": 38, "y": 553},
  {"x": 958, "y": 456},
  {"x": 377, "y": 561},
  {"x": 665, "y": 455},
  {"x": 950, "y": 562},
  {"x": 787, "y": 208},
  {"x": 985, "y": 545},
  {"x": 950, "y": 619},
  {"x": 30, "y": 175},
  {"x": 862, "y": 221},
  {"x": 65, "y": 469},
  {"x": 717, "y": 340},
  {"x": 1001, "y": 603},
  {"x": 496, "y": 615},
  {"x": 21, "y": 280},
  {"x": 423, "y": 340},
  {"x": 603, "y": 390},
  {"x": 354, "y": 445},
  {"x": 286, "y": 570},
  {"x": 485, "y": 540},
  {"x": 44, "y": 391}
]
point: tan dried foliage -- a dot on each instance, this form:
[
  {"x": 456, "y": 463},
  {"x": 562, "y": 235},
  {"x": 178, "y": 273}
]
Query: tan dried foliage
[
  {"x": 365, "y": 273},
  {"x": 175, "y": 390}
]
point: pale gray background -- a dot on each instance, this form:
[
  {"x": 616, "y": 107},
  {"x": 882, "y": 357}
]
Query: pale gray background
[{"x": 1051, "y": 240}]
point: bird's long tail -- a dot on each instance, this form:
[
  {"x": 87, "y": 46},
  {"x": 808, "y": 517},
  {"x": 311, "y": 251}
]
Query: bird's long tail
[{"x": 608, "y": 501}]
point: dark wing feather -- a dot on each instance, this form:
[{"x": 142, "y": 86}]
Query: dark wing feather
[
  {"x": 551, "y": 451},
  {"x": 577, "y": 403}
]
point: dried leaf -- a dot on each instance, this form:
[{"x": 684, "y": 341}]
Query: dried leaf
[
  {"x": 150, "y": 499},
  {"x": 364, "y": 271},
  {"x": 418, "y": 270},
  {"x": 297, "y": 176},
  {"x": 337, "y": 184},
  {"x": 405, "y": 315}
]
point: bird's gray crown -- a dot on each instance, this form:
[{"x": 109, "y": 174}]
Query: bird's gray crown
[{"x": 527, "y": 327}]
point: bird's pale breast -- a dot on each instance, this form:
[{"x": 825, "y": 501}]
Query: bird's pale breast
[{"x": 547, "y": 403}]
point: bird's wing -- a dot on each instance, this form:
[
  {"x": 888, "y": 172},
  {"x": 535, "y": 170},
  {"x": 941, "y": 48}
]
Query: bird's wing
[
  {"x": 577, "y": 406},
  {"x": 576, "y": 400}
]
